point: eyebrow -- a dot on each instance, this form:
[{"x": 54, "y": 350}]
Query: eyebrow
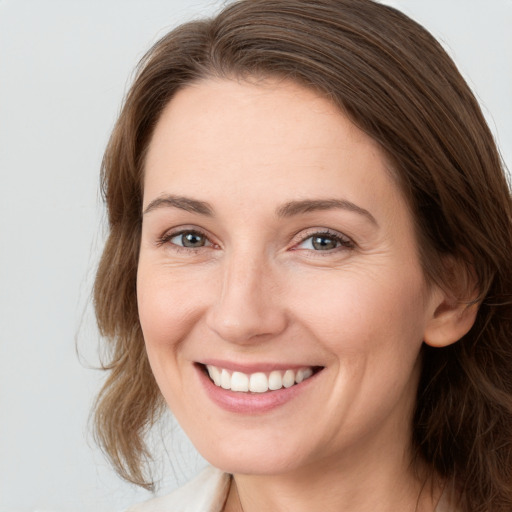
[
  {"x": 289, "y": 209},
  {"x": 183, "y": 203},
  {"x": 311, "y": 205}
]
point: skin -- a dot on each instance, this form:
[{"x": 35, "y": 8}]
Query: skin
[{"x": 258, "y": 291}]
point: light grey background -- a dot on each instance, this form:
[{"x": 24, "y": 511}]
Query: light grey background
[{"x": 64, "y": 67}]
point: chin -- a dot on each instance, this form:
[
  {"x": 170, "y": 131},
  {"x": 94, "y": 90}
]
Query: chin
[
  {"x": 261, "y": 457},
  {"x": 254, "y": 465}
]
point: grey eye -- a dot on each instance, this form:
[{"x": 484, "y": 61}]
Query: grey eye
[
  {"x": 190, "y": 239},
  {"x": 324, "y": 243}
]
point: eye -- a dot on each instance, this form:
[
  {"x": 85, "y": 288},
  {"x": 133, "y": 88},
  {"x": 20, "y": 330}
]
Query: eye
[
  {"x": 189, "y": 239},
  {"x": 325, "y": 241}
]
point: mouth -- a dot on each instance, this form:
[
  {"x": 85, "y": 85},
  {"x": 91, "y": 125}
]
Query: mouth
[{"x": 258, "y": 382}]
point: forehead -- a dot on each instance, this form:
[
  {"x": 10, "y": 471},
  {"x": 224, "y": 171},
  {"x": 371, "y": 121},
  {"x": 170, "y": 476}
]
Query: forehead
[
  {"x": 259, "y": 140},
  {"x": 257, "y": 119},
  {"x": 229, "y": 101}
]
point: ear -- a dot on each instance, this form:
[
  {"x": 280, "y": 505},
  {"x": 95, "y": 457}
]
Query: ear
[{"x": 454, "y": 308}]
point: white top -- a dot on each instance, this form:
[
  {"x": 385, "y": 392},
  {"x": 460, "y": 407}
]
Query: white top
[{"x": 207, "y": 492}]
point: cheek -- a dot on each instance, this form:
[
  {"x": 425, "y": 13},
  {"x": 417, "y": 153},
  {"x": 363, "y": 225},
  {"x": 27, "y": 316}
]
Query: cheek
[
  {"x": 372, "y": 326},
  {"x": 167, "y": 306},
  {"x": 361, "y": 307},
  {"x": 167, "y": 312}
]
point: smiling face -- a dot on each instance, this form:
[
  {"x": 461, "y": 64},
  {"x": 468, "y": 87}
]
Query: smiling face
[{"x": 277, "y": 246}]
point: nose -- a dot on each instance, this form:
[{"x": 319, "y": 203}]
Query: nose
[{"x": 249, "y": 305}]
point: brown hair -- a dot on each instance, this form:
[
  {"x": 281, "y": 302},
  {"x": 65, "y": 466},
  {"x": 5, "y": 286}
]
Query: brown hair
[{"x": 396, "y": 83}]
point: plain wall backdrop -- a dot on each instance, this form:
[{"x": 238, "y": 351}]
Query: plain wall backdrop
[{"x": 64, "y": 68}]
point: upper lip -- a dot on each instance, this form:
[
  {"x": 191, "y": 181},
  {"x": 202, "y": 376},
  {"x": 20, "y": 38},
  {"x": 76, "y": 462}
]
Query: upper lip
[{"x": 254, "y": 367}]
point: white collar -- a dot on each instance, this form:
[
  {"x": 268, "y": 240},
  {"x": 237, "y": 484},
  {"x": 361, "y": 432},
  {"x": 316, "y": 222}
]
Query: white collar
[{"x": 207, "y": 492}]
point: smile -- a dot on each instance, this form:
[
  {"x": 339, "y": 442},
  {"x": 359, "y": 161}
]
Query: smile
[
  {"x": 254, "y": 388},
  {"x": 258, "y": 382}
]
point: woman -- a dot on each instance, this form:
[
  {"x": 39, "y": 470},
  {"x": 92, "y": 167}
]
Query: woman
[{"x": 309, "y": 263}]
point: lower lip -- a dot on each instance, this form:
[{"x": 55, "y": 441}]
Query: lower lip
[{"x": 251, "y": 403}]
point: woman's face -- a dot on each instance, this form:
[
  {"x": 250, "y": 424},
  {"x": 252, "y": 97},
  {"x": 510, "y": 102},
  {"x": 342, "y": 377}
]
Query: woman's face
[{"x": 275, "y": 240}]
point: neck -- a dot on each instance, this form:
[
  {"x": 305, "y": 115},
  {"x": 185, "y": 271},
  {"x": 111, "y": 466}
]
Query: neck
[{"x": 386, "y": 484}]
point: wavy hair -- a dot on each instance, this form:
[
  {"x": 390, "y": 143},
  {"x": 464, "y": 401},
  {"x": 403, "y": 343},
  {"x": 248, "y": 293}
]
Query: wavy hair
[{"x": 395, "y": 82}]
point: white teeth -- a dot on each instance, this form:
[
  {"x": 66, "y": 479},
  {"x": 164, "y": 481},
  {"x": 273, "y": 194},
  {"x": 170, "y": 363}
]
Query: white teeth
[
  {"x": 303, "y": 374},
  {"x": 239, "y": 382},
  {"x": 288, "y": 378},
  {"x": 225, "y": 380},
  {"x": 258, "y": 382},
  {"x": 275, "y": 381},
  {"x": 214, "y": 374},
  {"x": 306, "y": 373}
]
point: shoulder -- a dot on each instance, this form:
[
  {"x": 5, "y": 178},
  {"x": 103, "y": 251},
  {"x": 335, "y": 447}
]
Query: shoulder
[{"x": 205, "y": 493}]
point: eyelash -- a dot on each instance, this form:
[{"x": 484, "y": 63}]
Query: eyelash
[
  {"x": 167, "y": 237},
  {"x": 345, "y": 243}
]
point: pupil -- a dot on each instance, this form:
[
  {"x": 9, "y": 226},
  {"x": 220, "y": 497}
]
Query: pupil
[
  {"x": 192, "y": 240},
  {"x": 324, "y": 243}
]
